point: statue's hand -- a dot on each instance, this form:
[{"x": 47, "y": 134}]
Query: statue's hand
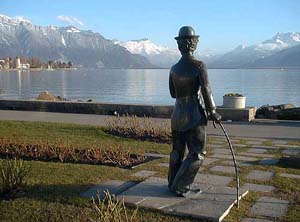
[{"x": 216, "y": 117}]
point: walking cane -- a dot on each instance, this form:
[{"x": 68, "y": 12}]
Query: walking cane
[{"x": 234, "y": 162}]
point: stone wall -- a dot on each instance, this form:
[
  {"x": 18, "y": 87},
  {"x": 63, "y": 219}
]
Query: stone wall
[{"x": 157, "y": 111}]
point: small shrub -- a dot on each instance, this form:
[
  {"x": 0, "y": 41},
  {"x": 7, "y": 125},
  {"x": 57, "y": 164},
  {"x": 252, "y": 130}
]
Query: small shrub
[
  {"x": 234, "y": 94},
  {"x": 111, "y": 210},
  {"x": 12, "y": 175},
  {"x": 113, "y": 154},
  {"x": 139, "y": 128}
]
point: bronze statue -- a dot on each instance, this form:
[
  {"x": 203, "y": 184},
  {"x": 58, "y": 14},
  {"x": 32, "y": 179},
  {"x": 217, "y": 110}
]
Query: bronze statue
[{"x": 188, "y": 83}]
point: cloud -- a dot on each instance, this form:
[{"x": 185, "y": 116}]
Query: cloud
[{"x": 70, "y": 20}]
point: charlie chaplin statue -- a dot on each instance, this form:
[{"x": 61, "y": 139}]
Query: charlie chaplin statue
[{"x": 188, "y": 83}]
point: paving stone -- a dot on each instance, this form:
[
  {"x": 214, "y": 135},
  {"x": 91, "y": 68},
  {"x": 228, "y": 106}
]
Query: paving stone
[
  {"x": 268, "y": 161},
  {"x": 256, "y": 150},
  {"x": 258, "y": 187},
  {"x": 112, "y": 186},
  {"x": 167, "y": 165},
  {"x": 163, "y": 164},
  {"x": 265, "y": 147},
  {"x": 239, "y": 163},
  {"x": 213, "y": 204},
  {"x": 229, "y": 157},
  {"x": 289, "y": 146},
  {"x": 235, "y": 140},
  {"x": 218, "y": 142},
  {"x": 291, "y": 152},
  {"x": 212, "y": 145},
  {"x": 280, "y": 142},
  {"x": 269, "y": 207},
  {"x": 289, "y": 175},
  {"x": 255, "y": 220},
  {"x": 144, "y": 173},
  {"x": 260, "y": 175},
  {"x": 208, "y": 161},
  {"x": 223, "y": 169},
  {"x": 254, "y": 142},
  {"x": 221, "y": 151},
  {"x": 157, "y": 155},
  {"x": 151, "y": 193},
  {"x": 256, "y": 154},
  {"x": 210, "y": 179}
]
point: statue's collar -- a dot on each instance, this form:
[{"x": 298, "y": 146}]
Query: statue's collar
[{"x": 187, "y": 56}]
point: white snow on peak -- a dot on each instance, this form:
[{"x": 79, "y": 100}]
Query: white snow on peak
[
  {"x": 296, "y": 37},
  {"x": 51, "y": 27},
  {"x": 144, "y": 47},
  {"x": 22, "y": 19},
  {"x": 73, "y": 29},
  {"x": 4, "y": 17},
  {"x": 13, "y": 21},
  {"x": 63, "y": 41},
  {"x": 280, "y": 41}
]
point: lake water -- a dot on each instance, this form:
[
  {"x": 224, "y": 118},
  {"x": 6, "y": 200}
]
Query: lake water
[{"x": 260, "y": 86}]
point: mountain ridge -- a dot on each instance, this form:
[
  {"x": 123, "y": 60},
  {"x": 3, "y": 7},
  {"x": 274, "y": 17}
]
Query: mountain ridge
[{"x": 83, "y": 48}]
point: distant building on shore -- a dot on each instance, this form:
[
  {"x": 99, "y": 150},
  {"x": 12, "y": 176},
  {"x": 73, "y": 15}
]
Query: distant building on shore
[
  {"x": 5, "y": 63},
  {"x": 20, "y": 65},
  {"x": 23, "y": 63},
  {"x": 2, "y": 63}
]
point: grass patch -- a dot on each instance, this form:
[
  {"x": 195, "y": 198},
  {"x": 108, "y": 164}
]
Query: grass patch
[
  {"x": 53, "y": 194},
  {"x": 52, "y": 191},
  {"x": 244, "y": 209},
  {"x": 267, "y": 143},
  {"x": 294, "y": 143},
  {"x": 111, "y": 210},
  {"x": 71, "y": 135}
]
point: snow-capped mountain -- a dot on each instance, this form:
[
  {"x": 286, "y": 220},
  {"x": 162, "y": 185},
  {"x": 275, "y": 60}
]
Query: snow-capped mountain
[
  {"x": 289, "y": 57},
  {"x": 19, "y": 36},
  {"x": 246, "y": 56},
  {"x": 280, "y": 41},
  {"x": 158, "y": 55}
]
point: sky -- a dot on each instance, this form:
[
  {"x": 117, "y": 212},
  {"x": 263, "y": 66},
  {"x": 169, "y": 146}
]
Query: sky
[{"x": 221, "y": 24}]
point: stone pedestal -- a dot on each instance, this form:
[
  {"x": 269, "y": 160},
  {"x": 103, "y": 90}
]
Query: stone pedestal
[{"x": 244, "y": 115}]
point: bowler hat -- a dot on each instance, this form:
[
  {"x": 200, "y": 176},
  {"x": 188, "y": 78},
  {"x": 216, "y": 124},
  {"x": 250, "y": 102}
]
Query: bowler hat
[{"x": 186, "y": 32}]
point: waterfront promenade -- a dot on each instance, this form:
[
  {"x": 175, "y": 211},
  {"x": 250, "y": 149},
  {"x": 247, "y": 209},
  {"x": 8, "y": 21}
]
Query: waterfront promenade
[{"x": 268, "y": 129}]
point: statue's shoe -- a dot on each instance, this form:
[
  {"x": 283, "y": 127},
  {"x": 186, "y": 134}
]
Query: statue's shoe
[{"x": 190, "y": 193}]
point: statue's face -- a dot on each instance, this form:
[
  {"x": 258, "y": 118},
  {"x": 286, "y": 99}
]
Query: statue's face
[
  {"x": 187, "y": 45},
  {"x": 193, "y": 44}
]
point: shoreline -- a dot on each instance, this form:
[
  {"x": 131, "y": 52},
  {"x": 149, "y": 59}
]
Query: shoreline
[
  {"x": 86, "y": 68},
  {"x": 38, "y": 69}
]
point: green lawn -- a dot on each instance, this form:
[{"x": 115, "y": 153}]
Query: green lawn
[
  {"x": 75, "y": 135},
  {"x": 52, "y": 190}
]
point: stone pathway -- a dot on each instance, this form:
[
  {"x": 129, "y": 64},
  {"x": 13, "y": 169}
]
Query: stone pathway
[
  {"x": 213, "y": 203},
  {"x": 258, "y": 187},
  {"x": 223, "y": 169},
  {"x": 260, "y": 175},
  {"x": 269, "y": 207},
  {"x": 216, "y": 179}
]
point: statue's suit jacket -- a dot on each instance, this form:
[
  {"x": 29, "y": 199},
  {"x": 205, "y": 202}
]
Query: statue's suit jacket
[{"x": 188, "y": 83}]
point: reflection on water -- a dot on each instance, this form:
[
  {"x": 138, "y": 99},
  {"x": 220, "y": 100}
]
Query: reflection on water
[{"x": 150, "y": 86}]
